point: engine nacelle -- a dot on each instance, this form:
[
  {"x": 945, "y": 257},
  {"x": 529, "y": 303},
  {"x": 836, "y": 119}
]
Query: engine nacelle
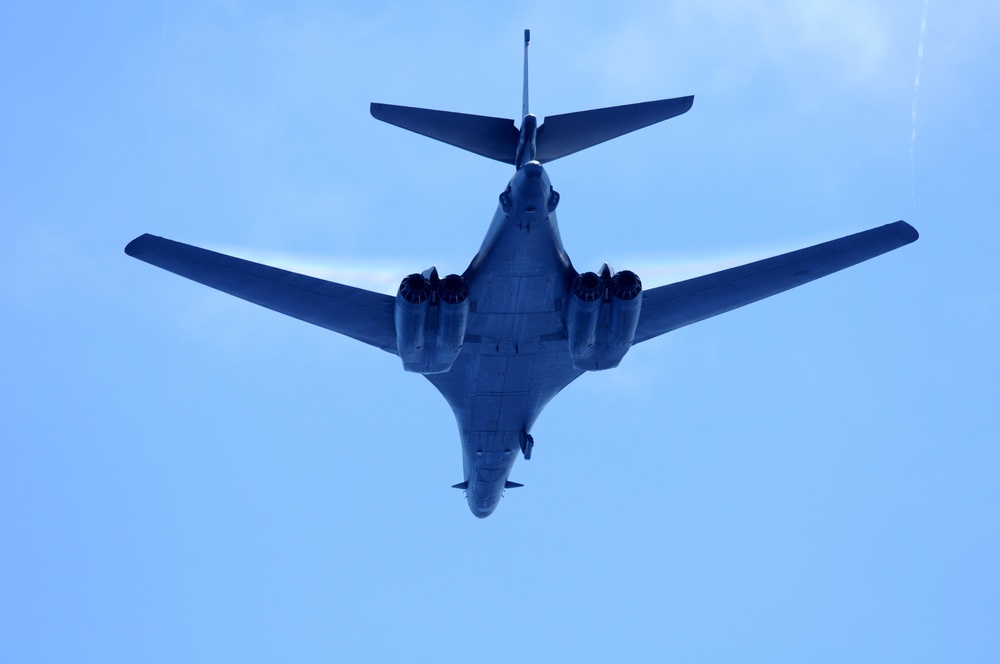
[
  {"x": 453, "y": 316},
  {"x": 431, "y": 316},
  {"x": 600, "y": 326},
  {"x": 583, "y": 313},
  {"x": 623, "y": 317},
  {"x": 413, "y": 303}
]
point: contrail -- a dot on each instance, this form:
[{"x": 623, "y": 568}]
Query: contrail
[{"x": 913, "y": 112}]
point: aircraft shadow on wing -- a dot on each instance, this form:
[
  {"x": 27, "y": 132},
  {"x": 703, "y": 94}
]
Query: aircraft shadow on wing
[{"x": 505, "y": 336}]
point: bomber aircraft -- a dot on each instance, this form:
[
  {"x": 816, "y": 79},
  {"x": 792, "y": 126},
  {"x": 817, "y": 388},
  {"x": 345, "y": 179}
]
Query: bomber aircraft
[{"x": 521, "y": 323}]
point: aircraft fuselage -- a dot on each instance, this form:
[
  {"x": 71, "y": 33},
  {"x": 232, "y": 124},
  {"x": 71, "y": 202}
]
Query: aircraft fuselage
[{"x": 518, "y": 283}]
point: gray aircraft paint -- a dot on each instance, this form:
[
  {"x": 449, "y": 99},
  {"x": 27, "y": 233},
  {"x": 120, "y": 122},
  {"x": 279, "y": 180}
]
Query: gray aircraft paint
[{"x": 514, "y": 354}]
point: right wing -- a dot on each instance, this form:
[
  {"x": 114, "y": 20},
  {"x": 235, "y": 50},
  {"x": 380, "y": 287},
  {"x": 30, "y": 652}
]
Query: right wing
[
  {"x": 357, "y": 313},
  {"x": 669, "y": 307}
]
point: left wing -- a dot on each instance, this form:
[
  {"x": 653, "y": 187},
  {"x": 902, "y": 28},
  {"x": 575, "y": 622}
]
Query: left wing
[
  {"x": 669, "y": 307},
  {"x": 357, "y": 313}
]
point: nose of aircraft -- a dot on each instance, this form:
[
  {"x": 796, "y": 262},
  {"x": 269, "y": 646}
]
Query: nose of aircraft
[
  {"x": 483, "y": 498},
  {"x": 482, "y": 508}
]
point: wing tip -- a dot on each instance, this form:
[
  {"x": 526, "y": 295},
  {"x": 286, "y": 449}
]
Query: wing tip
[
  {"x": 134, "y": 248},
  {"x": 907, "y": 232}
]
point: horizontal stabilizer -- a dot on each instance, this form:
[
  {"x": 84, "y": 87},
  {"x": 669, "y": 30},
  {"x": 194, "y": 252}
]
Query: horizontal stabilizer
[
  {"x": 561, "y": 135},
  {"x": 495, "y": 138},
  {"x": 511, "y": 485},
  {"x": 669, "y": 307},
  {"x": 354, "y": 312}
]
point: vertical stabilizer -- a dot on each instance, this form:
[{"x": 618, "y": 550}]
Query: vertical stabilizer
[
  {"x": 558, "y": 136},
  {"x": 524, "y": 95}
]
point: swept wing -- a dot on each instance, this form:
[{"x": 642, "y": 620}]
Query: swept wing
[
  {"x": 357, "y": 313},
  {"x": 669, "y": 307}
]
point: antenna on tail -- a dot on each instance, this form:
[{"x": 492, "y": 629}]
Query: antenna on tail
[{"x": 524, "y": 97}]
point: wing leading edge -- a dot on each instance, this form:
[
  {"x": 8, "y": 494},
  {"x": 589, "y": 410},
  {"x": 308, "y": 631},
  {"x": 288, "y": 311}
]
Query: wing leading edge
[
  {"x": 670, "y": 307},
  {"x": 354, "y": 312}
]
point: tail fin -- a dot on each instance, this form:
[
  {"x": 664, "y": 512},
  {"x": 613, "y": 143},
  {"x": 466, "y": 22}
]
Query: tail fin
[
  {"x": 558, "y": 136},
  {"x": 495, "y": 138},
  {"x": 565, "y": 134},
  {"x": 524, "y": 93}
]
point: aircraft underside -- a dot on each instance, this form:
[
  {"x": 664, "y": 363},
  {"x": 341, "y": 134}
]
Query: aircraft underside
[{"x": 503, "y": 338}]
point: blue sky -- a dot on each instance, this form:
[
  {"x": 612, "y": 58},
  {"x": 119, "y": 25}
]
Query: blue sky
[{"x": 186, "y": 477}]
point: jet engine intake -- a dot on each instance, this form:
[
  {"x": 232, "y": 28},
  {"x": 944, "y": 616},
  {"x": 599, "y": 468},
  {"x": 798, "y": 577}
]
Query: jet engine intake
[
  {"x": 582, "y": 316},
  {"x": 453, "y": 316},
  {"x": 413, "y": 302},
  {"x": 601, "y": 318},
  {"x": 626, "y": 300},
  {"x": 431, "y": 316}
]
